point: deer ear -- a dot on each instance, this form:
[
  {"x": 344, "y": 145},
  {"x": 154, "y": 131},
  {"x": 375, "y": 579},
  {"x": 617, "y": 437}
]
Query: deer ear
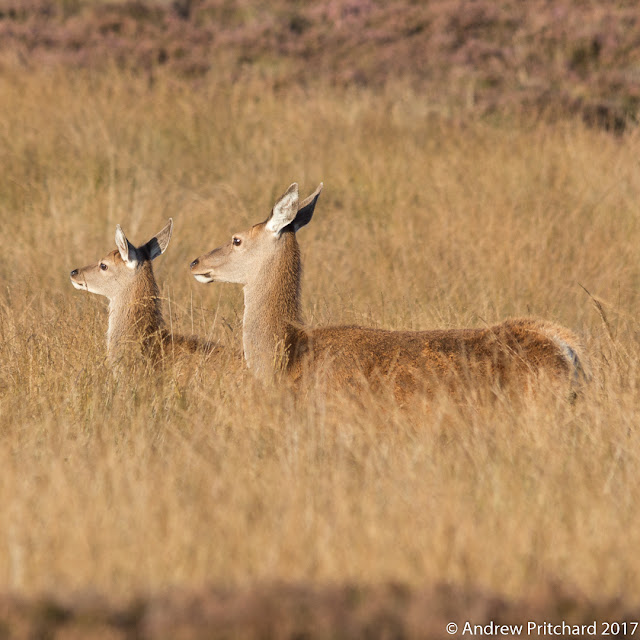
[
  {"x": 128, "y": 252},
  {"x": 284, "y": 210},
  {"x": 305, "y": 211},
  {"x": 159, "y": 243}
]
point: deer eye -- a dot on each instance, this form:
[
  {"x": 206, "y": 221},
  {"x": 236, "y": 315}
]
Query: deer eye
[
  {"x": 103, "y": 266},
  {"x": 236, "y": 241}
]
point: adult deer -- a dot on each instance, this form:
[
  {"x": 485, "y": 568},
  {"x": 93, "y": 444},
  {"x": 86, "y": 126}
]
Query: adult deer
[
  {"x": 125, "y": 277},
  {"x": 266, "y": 260}
]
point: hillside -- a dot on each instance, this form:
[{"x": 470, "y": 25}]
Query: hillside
[{"x": 555, "y": 58}]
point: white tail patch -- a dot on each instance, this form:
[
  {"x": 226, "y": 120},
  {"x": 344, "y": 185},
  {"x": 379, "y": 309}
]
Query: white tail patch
[{"x": 574, "y": 360}]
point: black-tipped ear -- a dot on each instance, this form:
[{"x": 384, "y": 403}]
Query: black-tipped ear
[
  {"x": 159, "y": 243},
  {"x": 305, "y": 212}
]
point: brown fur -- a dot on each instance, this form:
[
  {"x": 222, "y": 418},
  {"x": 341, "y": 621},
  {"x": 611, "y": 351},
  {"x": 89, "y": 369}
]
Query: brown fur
[
  {"x": 508, "y": 354},
  {"x": 504, "y": 355},
  {"x": 136, "y": 323}
]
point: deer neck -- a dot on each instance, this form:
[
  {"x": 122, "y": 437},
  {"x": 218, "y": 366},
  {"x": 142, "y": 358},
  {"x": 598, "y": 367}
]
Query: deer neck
[
  {"x": 271, "y": 320},
  {"x": 135, "y": 317}
]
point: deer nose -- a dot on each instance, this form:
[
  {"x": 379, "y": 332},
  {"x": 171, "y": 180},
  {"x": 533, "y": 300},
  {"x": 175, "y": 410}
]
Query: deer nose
[
  {"x": 194, "y": 264},
  {"x": 74, "y": 273}
]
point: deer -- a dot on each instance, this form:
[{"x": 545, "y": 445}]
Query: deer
[
  {"x": 266, "y": 260},
  {"x": 136, "y": 327}
]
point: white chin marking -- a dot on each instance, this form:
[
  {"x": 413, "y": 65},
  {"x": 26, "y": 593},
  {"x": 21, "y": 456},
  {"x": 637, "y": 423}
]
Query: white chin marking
[
  {"x": 80, "y": 285},
  {"x": 203, "y": 279}
]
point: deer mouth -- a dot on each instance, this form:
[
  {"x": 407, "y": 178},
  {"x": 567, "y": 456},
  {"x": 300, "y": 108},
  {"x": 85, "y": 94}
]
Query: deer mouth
[
  {"x": 82, "y": 285},
  {"x": 205, "y": 278}
]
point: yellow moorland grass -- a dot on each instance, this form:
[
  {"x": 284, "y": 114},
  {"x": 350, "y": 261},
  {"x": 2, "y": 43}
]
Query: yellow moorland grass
[{"x": 426, "y": 220}]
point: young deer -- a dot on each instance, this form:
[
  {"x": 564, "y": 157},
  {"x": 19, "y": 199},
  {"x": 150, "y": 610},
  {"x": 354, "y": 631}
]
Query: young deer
[
  {"x": 125, "y": 277},
  {"x": 266, "y": 260}
]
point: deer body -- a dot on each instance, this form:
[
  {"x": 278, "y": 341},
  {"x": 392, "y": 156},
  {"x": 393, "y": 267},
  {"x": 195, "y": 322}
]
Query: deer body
[
  {"x": 266, "y": 259},
  {"x": 136, "y": 327},
  {"x": 504, "y": 354}
]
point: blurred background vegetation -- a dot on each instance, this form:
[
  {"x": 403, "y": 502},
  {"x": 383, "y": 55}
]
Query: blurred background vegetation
[{"x": 480, "y": 160}]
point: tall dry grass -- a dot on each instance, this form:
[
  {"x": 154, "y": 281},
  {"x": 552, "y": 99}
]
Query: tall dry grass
[{"x": 425, "y": 221}]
